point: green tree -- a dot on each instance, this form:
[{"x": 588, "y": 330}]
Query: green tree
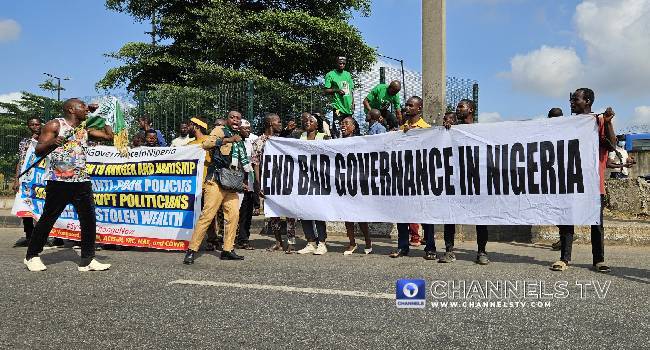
[{"x": 200, "y": 43}]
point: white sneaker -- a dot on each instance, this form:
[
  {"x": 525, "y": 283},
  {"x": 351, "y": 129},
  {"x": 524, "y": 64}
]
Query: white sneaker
[
  {"x": 368, "y": 250},
  {"x": 350, "y": 250},
  {"x": 94, "y": 266},
  {"x": 35, "y": 264},
  {"x": 308, "y": 249},
  {"x": 321, "y": 249}
]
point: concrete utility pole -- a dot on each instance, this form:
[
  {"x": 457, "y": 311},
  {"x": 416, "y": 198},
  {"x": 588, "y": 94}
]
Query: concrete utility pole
[{"x": 434, "y": 77}]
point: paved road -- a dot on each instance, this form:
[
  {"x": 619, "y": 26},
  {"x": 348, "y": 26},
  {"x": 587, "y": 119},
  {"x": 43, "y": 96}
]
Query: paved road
[{"x": 277, "y": 301}]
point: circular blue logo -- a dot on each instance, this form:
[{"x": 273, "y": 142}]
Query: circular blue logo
[{"x": 410, "y": 290}]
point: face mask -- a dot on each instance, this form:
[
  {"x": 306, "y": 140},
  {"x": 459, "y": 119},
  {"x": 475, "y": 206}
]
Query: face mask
[{"x": 621, "y": 144}]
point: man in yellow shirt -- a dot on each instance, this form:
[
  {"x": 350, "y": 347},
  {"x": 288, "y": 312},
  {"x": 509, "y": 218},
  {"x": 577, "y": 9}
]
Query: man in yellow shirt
[{"x": 413, "y": 112}]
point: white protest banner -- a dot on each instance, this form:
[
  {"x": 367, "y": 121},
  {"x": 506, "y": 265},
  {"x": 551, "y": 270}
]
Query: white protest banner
[
  {"x": 509, "y": 173},
  {"x": 152, "y": 198}
]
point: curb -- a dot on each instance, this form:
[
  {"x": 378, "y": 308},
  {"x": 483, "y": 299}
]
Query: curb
[{"x": 631, "y": 233}]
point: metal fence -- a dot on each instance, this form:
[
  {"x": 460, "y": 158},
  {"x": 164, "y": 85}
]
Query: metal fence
[{"x": 168, "y": 108}]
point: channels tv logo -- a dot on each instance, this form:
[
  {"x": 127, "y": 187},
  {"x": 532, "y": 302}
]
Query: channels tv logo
[{"x": 410, "y": 293}]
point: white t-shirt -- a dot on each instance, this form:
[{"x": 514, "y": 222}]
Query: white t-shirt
[
  {"x": 249, "y": 144},
  {"x": 181, "y": 141},
  {"x": 622, "y": 160}
]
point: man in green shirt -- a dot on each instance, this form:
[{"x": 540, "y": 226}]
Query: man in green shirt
[
  {"x": 382, "y": 97},
  {"x": 339, "y": 84}
]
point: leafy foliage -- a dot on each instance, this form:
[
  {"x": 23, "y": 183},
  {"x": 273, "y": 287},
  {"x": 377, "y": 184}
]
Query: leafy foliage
[
  {"x": 201, "y": 43},
  {"x": 48, "y": 85}
]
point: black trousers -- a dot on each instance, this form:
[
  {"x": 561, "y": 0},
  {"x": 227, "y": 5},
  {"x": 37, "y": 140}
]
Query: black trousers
[
  {"x": 28, "y": 227},
  {"x": 481, "y": 237},
  {"x": 58, "y": 195},
  {"x": 597, "y": 239},
  {"x": 315, "y": 231},
  {"x": 245, "y": 217}
]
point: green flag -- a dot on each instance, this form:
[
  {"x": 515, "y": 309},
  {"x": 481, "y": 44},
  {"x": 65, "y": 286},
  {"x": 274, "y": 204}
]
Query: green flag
[{"x": 110, "y": 112}]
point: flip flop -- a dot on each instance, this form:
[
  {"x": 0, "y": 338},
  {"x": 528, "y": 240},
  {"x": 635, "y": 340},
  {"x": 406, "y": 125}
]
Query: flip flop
[{"x": 559, "y": 266}]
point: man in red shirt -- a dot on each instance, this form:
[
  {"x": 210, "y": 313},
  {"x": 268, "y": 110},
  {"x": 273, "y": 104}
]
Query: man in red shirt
[{"x": 581, "y": 102}]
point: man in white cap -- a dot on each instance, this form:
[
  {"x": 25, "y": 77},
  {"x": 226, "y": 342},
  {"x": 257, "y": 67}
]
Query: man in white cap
[{"x": 250, "y": 202}]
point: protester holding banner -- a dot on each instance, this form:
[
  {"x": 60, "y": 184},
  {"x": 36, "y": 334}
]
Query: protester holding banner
[
  {"x": 413, "y": 112},
  {"x": 349, "y": 128},
  {"x": 228, "y": 160},
  {"x": 581, "y": 103},
  {"x": 151, "y": 139},
  {"x": 311, "y": 128},
  {"x": 382, "y": 97},
  {"x": 464, "y": 115},
  {"x": 556, "y": 112},
  {"x": 34, "y": 126},
  {"x": 145, "y": 124},
  {"x": 184, "y": 137},
  {"x": 272, "y": 127},
  {"x": 450, "y": 118},
  {"x": 65, "y": 141},
  {"x": 315, "y": 230}
]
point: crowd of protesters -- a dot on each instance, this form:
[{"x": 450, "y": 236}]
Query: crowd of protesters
[{"x": 234, "y": 151}]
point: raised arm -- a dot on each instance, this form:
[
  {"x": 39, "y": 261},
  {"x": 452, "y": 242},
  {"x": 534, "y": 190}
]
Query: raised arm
[
  {"x": 610, "y": 135},
  {"x": 366, "y": 104}
]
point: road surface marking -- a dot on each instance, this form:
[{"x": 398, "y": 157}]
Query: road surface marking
[{"x": 349, "y": 293}]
